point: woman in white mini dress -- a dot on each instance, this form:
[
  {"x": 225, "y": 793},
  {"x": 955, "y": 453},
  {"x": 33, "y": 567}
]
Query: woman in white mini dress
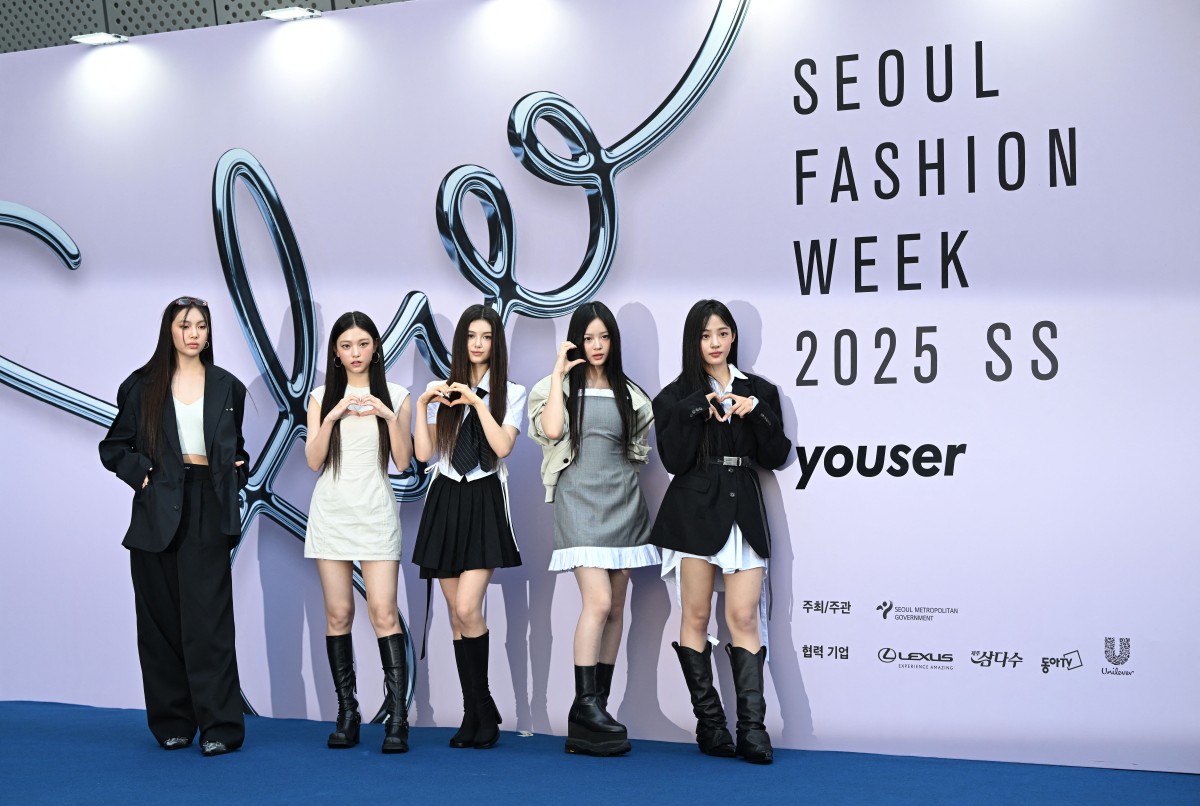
[{"x": 355, "y": 423}]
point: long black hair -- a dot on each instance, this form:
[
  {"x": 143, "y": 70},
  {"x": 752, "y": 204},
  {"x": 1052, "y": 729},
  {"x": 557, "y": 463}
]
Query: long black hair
[
  {"x": 335, "y": 387},
  {"x": 448, "y": 417},
  {"x": 160, "y": 369},
  {"x": 583, "y": 316},
  {"x": 694, "y": 373}
]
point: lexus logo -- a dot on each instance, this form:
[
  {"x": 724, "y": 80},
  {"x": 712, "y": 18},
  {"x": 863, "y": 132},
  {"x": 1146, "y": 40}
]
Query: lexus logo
[
  {"x": 1110, "y": 651},
  {"x": 889, "y": 655}
]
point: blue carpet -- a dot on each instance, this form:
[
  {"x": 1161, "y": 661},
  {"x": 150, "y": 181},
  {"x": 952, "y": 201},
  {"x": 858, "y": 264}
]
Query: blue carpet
[{"x": 55, "y": 753}]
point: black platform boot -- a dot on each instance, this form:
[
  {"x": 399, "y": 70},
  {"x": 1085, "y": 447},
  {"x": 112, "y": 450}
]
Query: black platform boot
[
  {"x": 465, "y": 736},
  {"x": 753, "y": 743},
  {"x": 487, "y": 716},
  {"x": 340, "y": 649},
  {"x": 591, "y": 730},
  {"x": 395, "y": 680},
  {"x": 604, "y": 676},
  {"x": 712, "y": 733}
]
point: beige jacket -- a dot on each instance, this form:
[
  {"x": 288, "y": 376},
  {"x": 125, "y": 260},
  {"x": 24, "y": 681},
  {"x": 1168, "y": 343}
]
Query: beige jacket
[{"x": 557, "y": 454}]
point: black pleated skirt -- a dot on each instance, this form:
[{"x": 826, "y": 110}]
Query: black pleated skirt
[{"x": 464, "y": 526}]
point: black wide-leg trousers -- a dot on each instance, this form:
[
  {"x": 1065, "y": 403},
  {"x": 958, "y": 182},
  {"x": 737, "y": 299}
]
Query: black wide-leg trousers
[{"x": 184, "y": 601}]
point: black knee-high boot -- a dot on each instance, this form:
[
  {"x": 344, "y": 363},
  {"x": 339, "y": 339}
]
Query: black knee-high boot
[
  {"x": 340, "y": 649},
  {"x": 753, "y": 743},
  {"x": 465, "y": 736},
  {"x": 395, "y": 680},
  {"x": 487, "y": 716},
  {"x": 591, "y": 730},
  {"x": 712, "y": 732}
]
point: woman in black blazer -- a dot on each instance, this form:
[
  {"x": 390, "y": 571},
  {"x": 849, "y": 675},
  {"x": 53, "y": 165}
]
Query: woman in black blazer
[
  {"x": 714, "y": 423},
  {"x": 177, "y": 442}
]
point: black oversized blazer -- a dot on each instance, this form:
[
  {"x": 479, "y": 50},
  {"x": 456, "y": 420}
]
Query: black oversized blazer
[
  {"x": 156, "y": 509},
  {"x": 703, "y": 501}
]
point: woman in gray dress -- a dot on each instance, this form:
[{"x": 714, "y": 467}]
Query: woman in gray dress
[{"x": 591, "y": 422}]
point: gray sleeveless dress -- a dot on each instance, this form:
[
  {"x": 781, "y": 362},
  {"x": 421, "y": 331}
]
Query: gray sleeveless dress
[{"x": 600, "y": 517}]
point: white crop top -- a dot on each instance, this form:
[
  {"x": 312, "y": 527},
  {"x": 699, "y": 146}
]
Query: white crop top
[{"x": 190, "y": 417}]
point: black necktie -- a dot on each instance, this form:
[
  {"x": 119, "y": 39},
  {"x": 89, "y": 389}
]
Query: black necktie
[{"x": 471, "y": 447}]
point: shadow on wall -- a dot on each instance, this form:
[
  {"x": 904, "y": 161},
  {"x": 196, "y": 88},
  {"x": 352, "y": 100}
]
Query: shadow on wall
[
  {"x": 291, "y": 590},
  {"x": 421, "y": 620},
  {"x": 792, "y": 698},
  {"x": 649, "y": 598},
  {"x": 529, "y": 590}
]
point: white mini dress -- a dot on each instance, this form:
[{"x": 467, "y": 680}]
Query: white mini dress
[{"x": 353, "y": 515}]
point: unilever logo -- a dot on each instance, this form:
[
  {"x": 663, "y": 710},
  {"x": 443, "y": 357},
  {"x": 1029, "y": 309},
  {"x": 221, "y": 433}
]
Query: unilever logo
[
  {"x": 587, "y": 165},
  {"x": 1117, "y": 659},
  {"x": 1110, "y": 651}
]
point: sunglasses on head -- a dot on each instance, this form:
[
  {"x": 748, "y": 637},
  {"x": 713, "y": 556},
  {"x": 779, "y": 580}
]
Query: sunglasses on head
[{"x": 191, "y": 301}]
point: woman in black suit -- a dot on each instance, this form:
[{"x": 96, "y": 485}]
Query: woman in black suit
[
  {"x": 177, "y": 442},
  {"x": 714, "y": 423}
]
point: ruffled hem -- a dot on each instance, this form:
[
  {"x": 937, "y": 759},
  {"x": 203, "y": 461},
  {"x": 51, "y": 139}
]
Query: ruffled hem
[{"x": 610, "y": 559}]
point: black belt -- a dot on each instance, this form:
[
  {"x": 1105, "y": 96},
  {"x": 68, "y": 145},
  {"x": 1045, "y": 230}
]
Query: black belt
[{"x": 730, "y": 461}]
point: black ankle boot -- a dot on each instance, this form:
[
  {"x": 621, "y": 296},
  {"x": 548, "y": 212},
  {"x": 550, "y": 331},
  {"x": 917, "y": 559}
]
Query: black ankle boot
[
  {"x": 712, "y": 733},
  {"x": 487, "y": 716},
  {"x": 395, "y": 680},
  {"x": 753, "y": 743},
  {"x": 604, "y": 676},
  {"x": 591, "y": 730},
  {"x": 340, "y": 649},
  {"x": 465, "y": 736}
]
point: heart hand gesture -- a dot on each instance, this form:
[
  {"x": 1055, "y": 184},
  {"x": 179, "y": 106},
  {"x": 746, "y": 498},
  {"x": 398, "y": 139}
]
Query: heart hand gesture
[
  {"x": 369, "y": 405},
  {"x": 347, "y": 405},
  {"x": 460, "y": 394},
  {"x": 562, "y": 364}
]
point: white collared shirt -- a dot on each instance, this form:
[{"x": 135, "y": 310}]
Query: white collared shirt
[{"x": 514, "y": 413}]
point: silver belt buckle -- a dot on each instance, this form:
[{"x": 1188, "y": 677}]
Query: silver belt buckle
[{"x": 731, "y": 461}]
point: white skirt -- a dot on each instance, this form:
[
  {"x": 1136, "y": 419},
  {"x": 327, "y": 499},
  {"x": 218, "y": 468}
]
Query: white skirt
[{"x": 736, "y": 555}]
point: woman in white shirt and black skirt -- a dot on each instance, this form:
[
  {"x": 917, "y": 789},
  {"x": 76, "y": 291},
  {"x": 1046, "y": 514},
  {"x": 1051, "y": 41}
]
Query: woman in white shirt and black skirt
[{"x": 471, "y": 422}]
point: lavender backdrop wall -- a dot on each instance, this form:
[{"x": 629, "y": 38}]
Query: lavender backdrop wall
[{"x": 1065, "y": 521}]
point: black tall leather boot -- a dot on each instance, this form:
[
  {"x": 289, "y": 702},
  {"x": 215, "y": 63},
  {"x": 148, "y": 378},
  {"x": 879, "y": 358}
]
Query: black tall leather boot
[
  {"x": 753, "y": 743},
  {"x": 487, "y": 716},
  {"x": 712, "y": 732},
  {"x": 590, "y": 729},
  {"x": 465, "y": 736},
  {"x": 604, "y": 676},
  {"x": 395, "y": 680},
  {"x": 340, "y": 649}
]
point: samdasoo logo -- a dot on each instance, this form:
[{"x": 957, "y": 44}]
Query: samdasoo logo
[
  {"x": 889, "y": 655},
  {"x": 839, "y": 460}
]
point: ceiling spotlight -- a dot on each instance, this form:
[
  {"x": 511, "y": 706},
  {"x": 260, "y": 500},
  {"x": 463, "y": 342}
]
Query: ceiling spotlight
[
  {"x": 292, "y": 13},
  {"x": 99, "y": 38}
]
